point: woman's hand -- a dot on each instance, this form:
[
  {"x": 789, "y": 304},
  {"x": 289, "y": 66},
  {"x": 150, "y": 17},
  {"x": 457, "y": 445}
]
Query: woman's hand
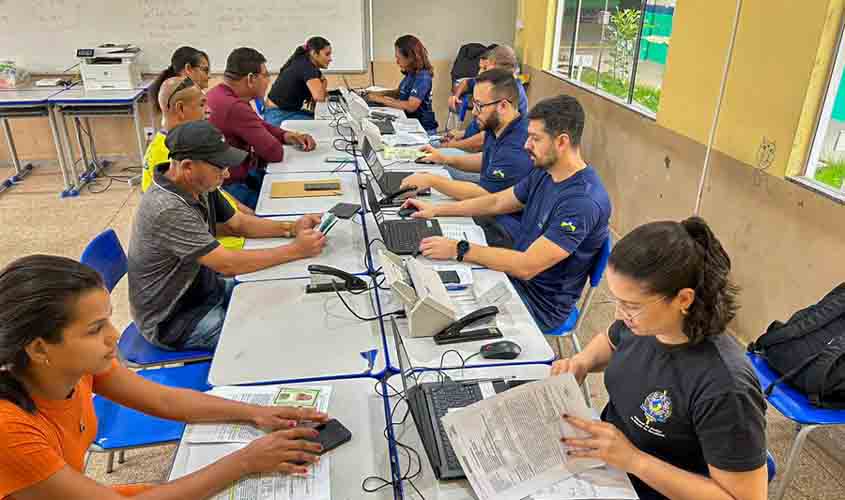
[
  {"x": 606, "y": 443},
  {"x": 289, "y": 452},
  {"x": 573, "y": 365},
  {"x": 271, "y": 418}
]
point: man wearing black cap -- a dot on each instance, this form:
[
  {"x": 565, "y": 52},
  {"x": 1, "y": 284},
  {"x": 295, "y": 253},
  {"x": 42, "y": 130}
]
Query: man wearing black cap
[{"x": 177, "y": 296}]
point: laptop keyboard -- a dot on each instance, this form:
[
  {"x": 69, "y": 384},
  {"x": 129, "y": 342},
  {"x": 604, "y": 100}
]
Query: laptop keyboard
[
  {"x": 403, "y": 237},
  {"x": 452, "y": 396}
]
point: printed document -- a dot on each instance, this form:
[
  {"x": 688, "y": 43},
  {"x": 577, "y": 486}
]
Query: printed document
[
  {"x": 603, "y": 483},
  {"x": 509, "y": 445},
  {"x": 316, "y": 397}
]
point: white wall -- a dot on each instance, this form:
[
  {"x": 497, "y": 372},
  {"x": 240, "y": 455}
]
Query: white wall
[{"x": 442, "y": 25}]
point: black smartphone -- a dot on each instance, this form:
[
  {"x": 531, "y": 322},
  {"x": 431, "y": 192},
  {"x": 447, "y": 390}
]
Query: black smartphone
[
  {"x": 322, "y": 186},
  {"x": 449, "y": 277},
  {"x": 332, "y": 435},
  {"x": 345, "y": 210}
]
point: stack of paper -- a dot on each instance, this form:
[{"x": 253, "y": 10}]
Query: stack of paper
[{"x": 208, "y": 443}]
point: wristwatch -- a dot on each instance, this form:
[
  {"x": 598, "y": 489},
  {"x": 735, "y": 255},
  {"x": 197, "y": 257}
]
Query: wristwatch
[{"x": 463, "y": 248}]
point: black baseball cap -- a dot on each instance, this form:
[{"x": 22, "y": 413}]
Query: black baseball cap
[{"x": 200, "y": 140}]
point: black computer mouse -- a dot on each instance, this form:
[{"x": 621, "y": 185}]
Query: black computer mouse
[
  {"x": 407, "y": 211},
  {"x": 502, "y": 349}
]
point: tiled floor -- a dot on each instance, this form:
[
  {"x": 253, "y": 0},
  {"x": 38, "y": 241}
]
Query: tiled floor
[{"x": 33, "y": 219}]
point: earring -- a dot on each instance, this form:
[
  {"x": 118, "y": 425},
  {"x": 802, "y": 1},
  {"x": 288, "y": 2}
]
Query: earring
[
  {"x": 47, "y": 361},
  {"x": 684, "y": 311}
]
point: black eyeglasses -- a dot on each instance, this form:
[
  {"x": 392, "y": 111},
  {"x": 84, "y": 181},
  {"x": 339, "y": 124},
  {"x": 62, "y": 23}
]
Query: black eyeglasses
[
  {"x": 186, "y": 83},
  {"x": 477, "y": 106}
]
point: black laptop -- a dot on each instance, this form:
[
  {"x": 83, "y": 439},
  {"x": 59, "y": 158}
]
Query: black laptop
[
  {"x": 402, "y": 236},
  {"x": 388, "y": 182},
  {"x": 430, "y": 401}
]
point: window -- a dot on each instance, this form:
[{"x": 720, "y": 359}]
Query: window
[
  {"x": 616, "y": 47},
  {"x": 826, "y": 165}
]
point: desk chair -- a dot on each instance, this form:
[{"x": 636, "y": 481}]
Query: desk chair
[
  {"x": 105, "y": 254},
  {"x": 795, "y": 406},
  {"x": 459, "y": 114},
  {"x": 120, "y": 428},
  {"x": 259, "y": 106},
  {"x": 575, "y": 320}
]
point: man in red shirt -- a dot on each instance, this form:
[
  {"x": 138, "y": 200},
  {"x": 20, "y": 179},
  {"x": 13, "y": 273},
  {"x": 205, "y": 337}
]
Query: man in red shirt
[{"x": 246, "y": 78}]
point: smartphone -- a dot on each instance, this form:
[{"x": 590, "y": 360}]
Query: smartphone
[
  {"x": 345, "y": 210},
  {"x": 332, "y": 435},
  {"x": 322, "y": 186},
  {"x": 449, "y": 277},
  {"x": 327, "y": 223}
]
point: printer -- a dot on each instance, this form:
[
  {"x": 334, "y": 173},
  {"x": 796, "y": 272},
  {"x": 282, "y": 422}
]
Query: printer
[{"x": 109, "y": 66}]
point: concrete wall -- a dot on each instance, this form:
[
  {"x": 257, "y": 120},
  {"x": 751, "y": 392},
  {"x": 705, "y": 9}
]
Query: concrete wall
[
  {"x": 786, "y": 242},
  {"x": 442, "y": 25}
]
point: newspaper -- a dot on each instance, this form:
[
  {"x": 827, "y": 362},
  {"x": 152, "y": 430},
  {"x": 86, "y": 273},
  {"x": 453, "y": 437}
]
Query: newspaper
[
  {"x": 315, "y": 485},
  {"x": 604, "y": 483},
  {"x": 316, "y": 397},
  {"x": 509, "y": 445}
]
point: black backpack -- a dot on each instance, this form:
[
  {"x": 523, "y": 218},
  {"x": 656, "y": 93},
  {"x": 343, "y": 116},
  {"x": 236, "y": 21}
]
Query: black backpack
[
  {"x": 466, "y": 63},
  {"x": 808, "y": 351}
]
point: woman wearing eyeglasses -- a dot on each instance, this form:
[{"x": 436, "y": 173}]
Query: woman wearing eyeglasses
[
  {"x": 300, "y": 82},
  {"x": 414, "y": 93},
  {"x": 685, "y": 417},
  {"x": 186, "y": 61}
]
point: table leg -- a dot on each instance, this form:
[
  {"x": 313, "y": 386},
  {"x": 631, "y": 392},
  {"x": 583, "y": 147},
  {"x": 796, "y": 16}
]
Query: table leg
[
  {"x": 83, "y": 151},
  {"x": 13, "y": 152},
  {"x": 91, "y": 144},
  {"x": 60, "y": 149},
  {"x": 74, "y": 177},
  {"x": 139, "y": 130}
]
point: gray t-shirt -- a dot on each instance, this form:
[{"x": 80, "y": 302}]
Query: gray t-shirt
[{"x": 169, "y": 290}]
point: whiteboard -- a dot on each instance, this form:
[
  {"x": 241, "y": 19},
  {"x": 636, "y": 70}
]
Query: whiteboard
[{"x": 43, "y": 35}]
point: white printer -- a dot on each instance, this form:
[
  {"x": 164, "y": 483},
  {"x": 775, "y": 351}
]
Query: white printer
[{"x": 109, "y": 66}]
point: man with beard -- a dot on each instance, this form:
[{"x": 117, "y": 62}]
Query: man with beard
[
  {"x": 502, "y": 164},
  {"x": 565, "y": 213}
]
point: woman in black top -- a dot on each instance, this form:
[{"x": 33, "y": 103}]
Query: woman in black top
[
  {"x": 685, "y": 417},
  {"x": 300, "y": 81}
]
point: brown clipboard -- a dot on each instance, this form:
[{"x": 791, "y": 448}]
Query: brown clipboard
[{"x": 296, "y": 189}]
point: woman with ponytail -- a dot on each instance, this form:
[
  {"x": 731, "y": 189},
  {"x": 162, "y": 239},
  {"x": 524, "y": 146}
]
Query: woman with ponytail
[
  {"x": 57, "y": 348},
  {"x": 685, "y": 416},
  {"x": 300, "y": 82},
  {"x": 414, "y": 93},
  {"x": 186, "y": 61}
]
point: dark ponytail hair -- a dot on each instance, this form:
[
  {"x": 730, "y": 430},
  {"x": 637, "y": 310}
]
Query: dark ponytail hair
[
  {"x": 182, "y": 56},
  {"x": 666, "y": 257},
  {"x": 412, "y": 48},
  {"x": 37, "y": 299},
  {"x": 315, "y": 43}
]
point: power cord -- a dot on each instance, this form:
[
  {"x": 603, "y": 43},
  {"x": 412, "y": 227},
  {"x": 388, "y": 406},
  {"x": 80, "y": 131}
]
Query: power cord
[{"x": 362, "y": 318}]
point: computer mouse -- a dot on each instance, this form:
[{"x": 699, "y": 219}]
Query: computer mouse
[
  {"x": 502, "y": 349},
  {"x": 407, "y": 211},
  {"x": 424, "y": 159}
]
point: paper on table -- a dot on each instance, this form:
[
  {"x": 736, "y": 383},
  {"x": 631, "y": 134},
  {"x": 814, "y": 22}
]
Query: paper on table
[
  {"x": 269, "y": 395},
  {"x": 315, "y": 485},
  {"x": 509, "y": 446},
  {"x": 405, "y": 138},
  {"x": 605, "y": 483},
  {"x": 470, "y": 232}
]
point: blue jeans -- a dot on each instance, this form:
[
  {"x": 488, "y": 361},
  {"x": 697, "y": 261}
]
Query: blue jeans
[
  {"x": 275, "y": 116},
  {"x": 460, "y": 175},
  {"x": 248, "y": 190},
  {"x": 207, "y": 332}
]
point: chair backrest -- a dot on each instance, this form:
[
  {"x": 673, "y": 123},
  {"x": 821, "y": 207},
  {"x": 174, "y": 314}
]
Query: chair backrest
[
  {"x": 772, "y": 467},
  {"x": 105, "y": 254},
  {"x": 600, "y": 264}
]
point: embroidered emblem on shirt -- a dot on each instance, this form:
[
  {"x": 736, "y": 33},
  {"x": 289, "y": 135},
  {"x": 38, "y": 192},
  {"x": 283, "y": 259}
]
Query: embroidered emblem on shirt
[
  {"x": 498, "y": 173},
  {"x": 568, "y": 226},
  {"x": 657, "y": 408}
]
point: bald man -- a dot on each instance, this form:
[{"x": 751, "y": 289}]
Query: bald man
[{"x": 182, "y": 101}]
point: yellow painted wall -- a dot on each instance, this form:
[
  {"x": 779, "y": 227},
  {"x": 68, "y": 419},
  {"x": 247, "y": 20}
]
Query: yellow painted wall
[
  {"x": 534, "y": 41},
  {"x": 776, "y": 50}
]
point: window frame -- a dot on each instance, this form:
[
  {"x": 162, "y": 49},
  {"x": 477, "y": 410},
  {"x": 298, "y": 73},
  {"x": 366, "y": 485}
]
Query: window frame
[
  {"x": 825, "y": 115},
  {"x": 566, "y": 75}
]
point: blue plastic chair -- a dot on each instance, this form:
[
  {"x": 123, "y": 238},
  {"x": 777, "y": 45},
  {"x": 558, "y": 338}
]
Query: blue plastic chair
[
  {"x": 259, "y": 106},
  {"x": 105, "y": 254},
  {"x": 573, "y": 323},
  {"x": 771, "y": 466},
  {"x": 120, "y": 428},
  {"x": 795, "y": 406}
]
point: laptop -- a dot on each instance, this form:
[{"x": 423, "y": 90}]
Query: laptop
[
  {"x": 430, "y": 401},
  {"x": 388, "y": 182},
  {"x": 402, "y": 236},
  {"x": 359, "y": 109}
]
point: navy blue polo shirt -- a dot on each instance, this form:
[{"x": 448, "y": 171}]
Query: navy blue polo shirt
[
  {"x": 473, "y": 127},
  {"x": 419, "y": 85},
  {"x": 573, "y": 214}
]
